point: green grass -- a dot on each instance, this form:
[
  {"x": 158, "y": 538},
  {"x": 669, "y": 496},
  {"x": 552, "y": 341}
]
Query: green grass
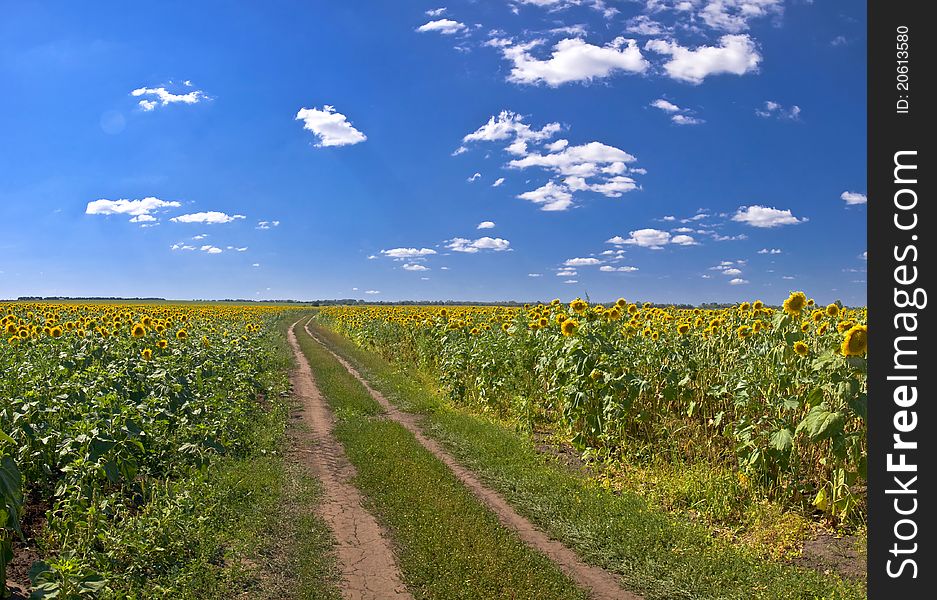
[
  {"x": 449, "y": 545},
  {"x": 659, "y": 554}
]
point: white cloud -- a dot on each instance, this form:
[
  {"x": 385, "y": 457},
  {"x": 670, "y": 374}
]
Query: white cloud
[
  {"x": 210, "y": 249},
  {"x": 617, "y": 240},
  {"x": 211, "y": 217},
  {"x": 582, "y": 262},
  {"x": 579, "y": 160},
  {"x": 683, "y": 229},
  {"x": 267, "y": 224},
  {"x": 498, "y": 182},
  {"x": 763, "y": 216},
  {"x": 486, "y": 225},
  {"x": 773, "y": 109},
  {"x": 474, "y": 177},
  {"x": 237, "y": 249},
  {"x": 200, "y": 236},
  {"x": 408, "y": 252},
  {"x": 435, "y": 12},
  {"x": 787, "y": 277},
  {"x": 372, "y": 292},
  {"x": 864, "y": 255},
  {"x": 510, "y": 125},
  {"x": 535, "y": 274},
  {"x": 164, "y": 97},
  {"x": 566, "y": 273},
  {"x": 738, "y": 281},
  {"x": 415, "y": 267},
  {"x": 644, "y": 25},
  {"x": 666, "y": 105},
  {"x": 443, "y": 26},
  {"x": 140, "y": 211},
  {"x": 736, "y": 54},
  {"x": 769, "y": 251},
  {"x": 733, "y": 15},
  {"x": 182, "y": 247},
  {"x": 482, "y": 243},
  {"x": 683, "y": 240},
  {"x": 572, "y": 60},
  {"x": 571, "y": 281},
  {"x": 332, "y": 128},
  {"x": 686, "y": 120},
  {"x": 255, "y": 265},
  {"x": 557, "y": 145},
  {"x": 648, "y": 238},
  {"x": 610, "y": 269},
  {"x": 853, "y": 198},
  {"x": 550, "y": 197},
  {"x": 731, "y": 271}
]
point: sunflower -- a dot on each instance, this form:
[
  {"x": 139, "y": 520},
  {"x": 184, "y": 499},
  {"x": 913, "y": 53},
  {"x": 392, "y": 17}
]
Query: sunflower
[
  {"x": 147, "y": 354},
  {"x": 56, "y": 331},
  {"x": 744, "y": 331},
  {"x": 655, "y": 336},
  {"x": 832, "y": 310},
  {"x": 683, "y": 328},
  {"x": 758, "y": 305},
  {"x": 801, "y": 348},
  {"x": 474, "y": 331},
  {"x": 569, "y": 327},
  {"x": 182, "y": 334},
  {"x": 596, "y": 374},
  {"x": 805, "y": 326},
  {"x": 856, "y": 341},
  {"x": 632, "y": 309},
  {"x": 543, "y": 322},
  {"x": 621, "y": 303},
  {"x": 578, "y": 306},
  {"x": 822, "y": 328},
  {"x": 162, "y": 344},
  {"x": 138, "y": 330},
  {"x": 205, "y": 341},
  {"x": 795, "y": 303},
  {"x": 505, "y": 326},
  {"x": 613, "y": 314},
  {"x": 745, "y": 307},
  {"x": 844, "y": 326},
  {"x": 757, "y": 325},
  {"x": 818, "y": 315}
]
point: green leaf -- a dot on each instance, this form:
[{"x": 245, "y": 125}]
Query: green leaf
[
  {"x": 821, "y": 423},
  {"x": 782, "y": 440}
]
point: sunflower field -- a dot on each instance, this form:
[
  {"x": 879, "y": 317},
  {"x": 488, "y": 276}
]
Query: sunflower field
[
  {"x": 102, "y": 404},
  {"x": 776, "y": 394}
]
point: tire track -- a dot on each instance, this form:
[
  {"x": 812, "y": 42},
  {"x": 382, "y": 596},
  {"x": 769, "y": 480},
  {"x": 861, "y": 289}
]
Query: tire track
[
  {"x": 602, "y": 584},
  {"x": 365, "y": 556}
]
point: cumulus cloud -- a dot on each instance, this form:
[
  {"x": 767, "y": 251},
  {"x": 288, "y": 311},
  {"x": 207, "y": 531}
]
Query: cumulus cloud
[
  {"x": 735, "y": 54},
  {"x": 163, "y": 97},
  {"x": 853, "y": 198},
  {"x": 773, "y": 109},
  {"x": 415, "y": 267},
  {"x": 482, "y": 243},
  {"x": 566, "y": 273},
  {"x": 655, "y": 239},
  {"x": 572, "y": 60},
  {"x": 332, "y": 128},
  {"x": 666, "y": 106},
  {"x": 140, "y": 211},
  {"x": 535, "y": 274},
  {"x": 582, "y": 262},
  {"x": 443, "y": 26},
  {"x": 474, "y": 177},
  {"x": 738, "y": 281},
  {"x": 435, "y": 12},
  {"x": 734, "y": 15},
  {"x": 769, "y": 251},
  {"x": 550, "y": 196},
  {"x": 611, "y": 269},
  {"x": 210, "y": 249},
  {"x": 211, "y": 217},
  {"x": 593, "y": 166},
  {"x": 765, "y": 217},
  {"x": 408, "y": 252},
  {"x": 571, "y": 281},
  {"x": 498, "y": 182},
  {"x": 486, "y": 225},
  {"x": 264, "y": 225},
  {"x": 372, "y": 292}
]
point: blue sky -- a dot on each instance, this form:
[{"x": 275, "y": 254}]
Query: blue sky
[{"x": 670, "y": 151}]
